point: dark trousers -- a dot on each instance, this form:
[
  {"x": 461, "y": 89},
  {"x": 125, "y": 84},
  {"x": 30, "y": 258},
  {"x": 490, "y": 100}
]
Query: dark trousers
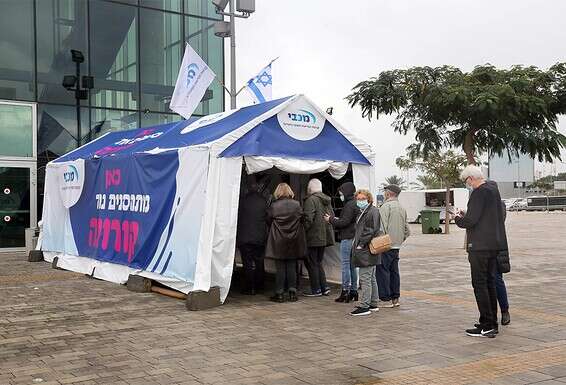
[
  {"x": 317, "y": 276},
  {"x": 254, "y": 270},
  {"x": 387, "y": 274},
  {"x": 501, "y": 292},
  {"x": 483, "y": 265},
  {"x": 285, "y": 275}
]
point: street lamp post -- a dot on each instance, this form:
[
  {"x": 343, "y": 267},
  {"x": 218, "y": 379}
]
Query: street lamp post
[
  {"x": 228, "y": 29},
  {"x": 73, "y": 83}
]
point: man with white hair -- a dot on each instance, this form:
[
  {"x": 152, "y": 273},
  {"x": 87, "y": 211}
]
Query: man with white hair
[
  {"x": 319, "y": 235},
  {"x": 485, "y": 227}
]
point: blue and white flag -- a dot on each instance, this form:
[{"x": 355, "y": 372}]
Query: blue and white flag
[
  {"x": 259, "y": 87},
  {"x": 193, "y": 81}
]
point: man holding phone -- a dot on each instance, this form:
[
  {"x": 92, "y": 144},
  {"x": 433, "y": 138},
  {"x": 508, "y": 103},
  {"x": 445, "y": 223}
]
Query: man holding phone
[{"x": 485, "y": 228}]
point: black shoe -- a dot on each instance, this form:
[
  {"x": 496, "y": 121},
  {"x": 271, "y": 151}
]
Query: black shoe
[
  {"x": 293, "y": 296},
  {"x": 325, "y": 291},
  {"x": 277, "y": 298},
  {"x": 360, "y": 311},
  {"x": 478, "y": 326},
  {"x": 505, "y": 318},
  {"x": 313, "y": 294},
  {"x": 353, "y": 295},
  {"x": 479, "y": 332},
  {"x": 344, "y": 297}
]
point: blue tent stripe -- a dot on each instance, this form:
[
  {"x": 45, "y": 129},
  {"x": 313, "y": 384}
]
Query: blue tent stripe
[{"x": 256, "y": 91}]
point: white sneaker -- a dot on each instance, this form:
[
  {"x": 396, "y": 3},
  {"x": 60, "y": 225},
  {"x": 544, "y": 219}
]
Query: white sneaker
[
  {"x": 386, "y": 304},
  {"x": 396, "y": 302}
]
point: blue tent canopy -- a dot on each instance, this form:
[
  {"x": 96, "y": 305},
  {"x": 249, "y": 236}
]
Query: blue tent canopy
[{"x": 289, "y": 127}]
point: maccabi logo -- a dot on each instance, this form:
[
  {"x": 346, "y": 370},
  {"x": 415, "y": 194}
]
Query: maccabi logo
[
  {"x": 192, "y": 70},
  {"x": 71, "y": 175},
  {"x": 303, "y": 116}
]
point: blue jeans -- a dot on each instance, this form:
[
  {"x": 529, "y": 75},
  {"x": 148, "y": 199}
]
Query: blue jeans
[
  {"x": 349, "y": 272},
  {"x": 387, "y": 274},
  {"x": 501, "y": 292}
]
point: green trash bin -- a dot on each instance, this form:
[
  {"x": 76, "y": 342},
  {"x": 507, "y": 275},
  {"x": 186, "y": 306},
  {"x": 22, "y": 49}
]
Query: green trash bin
[{"x": 430, "y": 220}]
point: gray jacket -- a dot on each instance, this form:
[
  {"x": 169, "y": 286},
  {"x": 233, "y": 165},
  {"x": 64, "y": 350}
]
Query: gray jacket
[
  {"x": 394, "y": 219},
  {"x": 367, "y": 227}
]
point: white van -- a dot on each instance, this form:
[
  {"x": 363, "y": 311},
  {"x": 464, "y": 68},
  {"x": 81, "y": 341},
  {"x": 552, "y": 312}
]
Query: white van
[{"x": 414, "y": 201}]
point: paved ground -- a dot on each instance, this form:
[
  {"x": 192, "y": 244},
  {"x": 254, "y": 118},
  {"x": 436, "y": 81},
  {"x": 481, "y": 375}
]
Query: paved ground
[{"x": 59, "y": 327}]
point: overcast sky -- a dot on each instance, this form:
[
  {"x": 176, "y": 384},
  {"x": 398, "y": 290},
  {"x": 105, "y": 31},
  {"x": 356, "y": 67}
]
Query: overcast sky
[{"x": 327, "y": 46}]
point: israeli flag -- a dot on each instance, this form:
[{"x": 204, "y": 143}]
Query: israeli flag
[
  {"x": 192, "y": 82},
  {"x": 259, "y": 87}
]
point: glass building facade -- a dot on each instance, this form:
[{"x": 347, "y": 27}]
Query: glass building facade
[{"x": 133, "y": 50}]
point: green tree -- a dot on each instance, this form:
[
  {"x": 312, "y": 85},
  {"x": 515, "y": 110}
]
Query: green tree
[
  {"x": 444, "y": 167},
  {"x": 487, "y": 109},
  {"x": 426, "y": 181},
  {"x": 547, "y": 182},
  {"x": 394, "y": 179}
]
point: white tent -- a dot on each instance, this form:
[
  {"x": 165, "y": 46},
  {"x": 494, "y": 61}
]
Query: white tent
[{"x": 162, "y": 202}]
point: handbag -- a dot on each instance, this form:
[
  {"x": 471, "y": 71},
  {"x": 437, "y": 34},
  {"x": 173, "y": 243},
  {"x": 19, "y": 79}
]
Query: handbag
[
  {"x": 503, "y": 264},
  {"x": 381, "y": 243}
]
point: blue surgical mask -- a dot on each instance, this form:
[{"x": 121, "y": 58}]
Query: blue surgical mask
[
  {"x": 342, "y": 197},
  {"x": 362, "y": 204}
]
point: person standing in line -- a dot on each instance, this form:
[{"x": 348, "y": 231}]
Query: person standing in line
[
  {"x": 486, "y": 238},
  {"x": 394, "y": 220},
  {"x": 500, "y": 287},
  {"x": 319, "y": 235},
  {"x": 346, "y": 224},
  {"x": 285, "y": 241},
  {"x": 251, "y": 237},
  {"x": 367, "y": 227}
]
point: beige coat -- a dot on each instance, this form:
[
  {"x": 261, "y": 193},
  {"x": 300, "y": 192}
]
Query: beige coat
[{"x": 394, "y": 218}]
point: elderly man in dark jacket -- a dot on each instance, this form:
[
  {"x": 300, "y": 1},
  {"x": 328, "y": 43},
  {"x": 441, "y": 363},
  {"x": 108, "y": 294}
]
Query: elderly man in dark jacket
[
  {"x": 346, "y": 225},
  {"x": 251, "y": 237},
  {"x": 319, "y": 235},
  {"x": 486, "y": 238}
]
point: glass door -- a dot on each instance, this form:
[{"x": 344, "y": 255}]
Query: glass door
[
  {"x": 17, "y": 211},
  {"x": 18, "y": 169}
]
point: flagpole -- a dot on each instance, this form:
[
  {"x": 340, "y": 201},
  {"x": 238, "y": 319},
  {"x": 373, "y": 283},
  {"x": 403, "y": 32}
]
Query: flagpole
[{"x": 232, "y": 56}]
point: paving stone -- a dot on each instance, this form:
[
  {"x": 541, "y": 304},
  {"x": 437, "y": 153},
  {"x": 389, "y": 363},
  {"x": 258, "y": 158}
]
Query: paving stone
[{"x": 63, "y": 327}]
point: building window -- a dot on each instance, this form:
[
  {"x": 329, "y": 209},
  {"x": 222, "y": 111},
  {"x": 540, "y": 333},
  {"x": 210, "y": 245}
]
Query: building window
[
  {"x": 153, "y": 119},
  {"x": 168, "y": 5},
  {"x": 17, "y": 59},
  {"x": 203, "y": 8},
  {"x": 161, "y": 50},
  {"x": 200, "y": 35},
  {"x": 103, "y": 121},
  {"x": 61, "y": 26},
  {"x": 113, "y": 35},
  {"x": 16, "y": 133}
]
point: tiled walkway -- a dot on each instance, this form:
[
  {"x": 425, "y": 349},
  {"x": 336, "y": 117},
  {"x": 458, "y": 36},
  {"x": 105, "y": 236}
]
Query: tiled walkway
[{"x": 59, "y": 327}]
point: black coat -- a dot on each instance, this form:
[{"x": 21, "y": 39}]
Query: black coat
[
  {"x": 286, "y": 238},
  {"x": 346, "y": 224},
  {"x": 319, "y": 232},
  {"x": 484, "y": 220},
  {"x": 368, "y": 226},
  {"x": 252, "y": 225}
]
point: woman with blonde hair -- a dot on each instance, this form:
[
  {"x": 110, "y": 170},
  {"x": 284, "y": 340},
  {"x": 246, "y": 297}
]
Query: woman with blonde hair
[
  {"x": 368, "y": 226},
  {"x": 286, "y": 241}
]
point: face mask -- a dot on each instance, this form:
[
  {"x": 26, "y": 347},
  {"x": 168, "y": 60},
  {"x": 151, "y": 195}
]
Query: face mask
[
  {"x": 342, "y": 197},
  {"x": 362, "y": 204},
  {"x": 470, "y": 188}
]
